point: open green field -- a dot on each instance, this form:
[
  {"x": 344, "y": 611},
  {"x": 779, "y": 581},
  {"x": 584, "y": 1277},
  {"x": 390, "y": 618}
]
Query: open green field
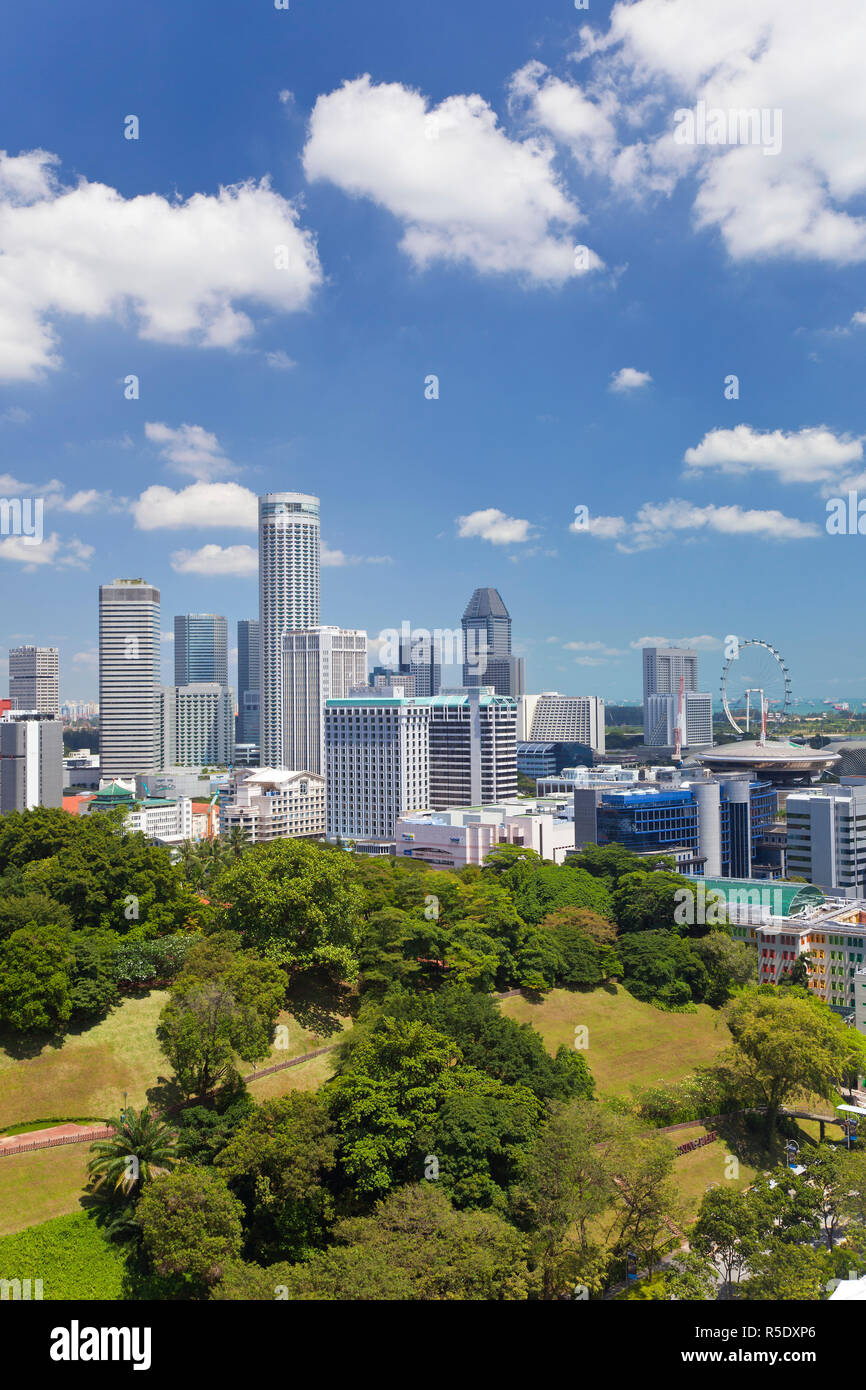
[
  {"x": 86, "y": 1073},
  {"x": 629, "y": 1043},
  {"x": 712, "y": 1165},
  {"x": 37, "y": 1186}
]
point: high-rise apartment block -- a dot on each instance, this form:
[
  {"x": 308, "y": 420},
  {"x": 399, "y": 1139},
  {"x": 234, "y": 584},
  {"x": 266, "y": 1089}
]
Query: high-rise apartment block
[
  {"x": 826, "y": 838},
  {"x": 34, "y": 679},
  {"x": 129, "y": 673},
  {"x": 319, "y": 664},
  {"x": 249, "y": 658},
  {"x": 31, "y": 761},
  {"x": 663, "y": 669},
  {"x": 196, "y": 725},
  {"x": 661, "y": 713},
  {"x": 554, "y": 718},
  {"x": 201, "y": 649},
  {"x": 289, "y": 559},
  {"x": 390, "y": 755}
]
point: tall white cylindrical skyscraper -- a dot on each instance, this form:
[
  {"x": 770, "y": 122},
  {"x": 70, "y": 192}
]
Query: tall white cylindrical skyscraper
[{"x": 288, "y": 598}]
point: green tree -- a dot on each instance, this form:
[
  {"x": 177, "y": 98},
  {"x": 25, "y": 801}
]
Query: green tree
[
  {"x": 647, "y": 901},
  {"x": 788, "y": 1274},
  {"x": 478, "y": 1136},
  {"x": 388, "y": 1088},
  {"x": 660, "y": 966},
  {"x": 31, "y": 910},
  {"x": 786, "y": 1045},
  {"x": 223, "y": 1005},
  {"x": 506, "y": 1050},
  {"x": 277, "y": 1161},
  {"x": 728, "y": 963},
  {"x": 648, "y": 1201},
  {"x": 93, "y": 974},
  {"x": 296, "y": 904},
  {"x": 567, "y": 1183},
  {"x": 729, "y": 1229},
  {"x": 415, "y": 1246},
  {"x": 142, "y": 1147},
  {"x": 191, "y": 1228},
  {"x": 35, "y": 964}
]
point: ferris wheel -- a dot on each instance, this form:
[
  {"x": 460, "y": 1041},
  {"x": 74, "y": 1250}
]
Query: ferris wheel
[{"x": 756, "y": 686}]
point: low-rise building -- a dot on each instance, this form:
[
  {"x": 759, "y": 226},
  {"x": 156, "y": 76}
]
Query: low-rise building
[
  {"x": 275, "y": 804},
  {"x": 461, "y": 835}
]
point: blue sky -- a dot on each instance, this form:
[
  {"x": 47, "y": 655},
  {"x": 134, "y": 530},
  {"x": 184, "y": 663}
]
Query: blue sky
[{"x": 430, "y": 212}]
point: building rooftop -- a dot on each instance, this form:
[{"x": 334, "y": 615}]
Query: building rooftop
[
  {"x": 793, "y": 896},
  {"x": 486, "y": 603}
]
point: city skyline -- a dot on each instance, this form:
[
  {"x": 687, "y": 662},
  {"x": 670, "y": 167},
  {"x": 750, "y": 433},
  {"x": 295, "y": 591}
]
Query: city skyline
[{"x": 454, "y": 397}]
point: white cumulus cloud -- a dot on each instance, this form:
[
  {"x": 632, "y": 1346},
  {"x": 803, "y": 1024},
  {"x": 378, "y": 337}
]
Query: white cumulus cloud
[
  {"x": 490, "y": 524},
  {"x": 190, "y": 449},
  {"x": 801, "y": 456},
  {"x": 200, "y": 504},
  {"x": 463, "y": 191},
  {"x": 240, "y": 560},
  {"x": 185, "y": 271},
  {"x": 629, "y": 379}
]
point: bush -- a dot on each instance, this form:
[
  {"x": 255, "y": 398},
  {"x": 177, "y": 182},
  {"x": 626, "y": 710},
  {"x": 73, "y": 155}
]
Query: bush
[{"x": 70, "y": 1255}]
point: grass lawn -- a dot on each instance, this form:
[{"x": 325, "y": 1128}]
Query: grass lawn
[
  {"x": 86, "y": 1073},
  {"x": 630, "y": 1043},
  {"x": 69, "y": 1255},
  {"x": 702, "y": 1168},
  {"x": 37, "y": 1186},
  {"x": 307, "y": 1077}
]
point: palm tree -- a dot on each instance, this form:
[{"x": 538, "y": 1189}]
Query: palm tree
[
  {"x": 235, "y": 841},
  {"x": 142, "y": 1146}
]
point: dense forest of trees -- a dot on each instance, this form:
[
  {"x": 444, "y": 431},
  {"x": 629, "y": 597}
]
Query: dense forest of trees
[{"x": 450, "y": 1155}]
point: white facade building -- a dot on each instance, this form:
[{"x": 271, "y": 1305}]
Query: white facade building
[
  {"x": 34, "y": 679},
  {"x": 554, "y": 718},
  {"x": 461, "y": 835},
  {"x": 826, "y": 838},
  {"x": 388, "y": 755},
  {"x": 196, "y": 725},
  {"x": 289, "y": 560},
  {"x": 129, "y": 672},
  {"x": 273, "y": 804},
  {"x": 319, "y": 664},
  {"x": 660, "y": 720},
  {"x": 170, "y": 822},
  {"x": 663, "y": 668},
  {"x": 31, "y": 761},
  {"x": 377, "y": 753}
]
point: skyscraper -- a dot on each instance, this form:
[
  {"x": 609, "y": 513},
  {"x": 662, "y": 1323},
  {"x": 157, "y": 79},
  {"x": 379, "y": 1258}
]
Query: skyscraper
[
  {"x": 288, "y": 598},
  {"x": 249, "y": 649},
  {"x": 486, "y": 633},
  {"x": 201, "y": 649},
  {"x": 196, "y": 725},
  {"x": 31, "y": 761},
  {"x": 663, "y": 667},
  {"x": 319, "y": 664},
  {"x": 129, "y": 672},
  {"x": 34, "y": 679}
]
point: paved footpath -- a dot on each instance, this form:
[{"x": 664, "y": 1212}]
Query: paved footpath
[{"x": 48, "y": 1138}]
